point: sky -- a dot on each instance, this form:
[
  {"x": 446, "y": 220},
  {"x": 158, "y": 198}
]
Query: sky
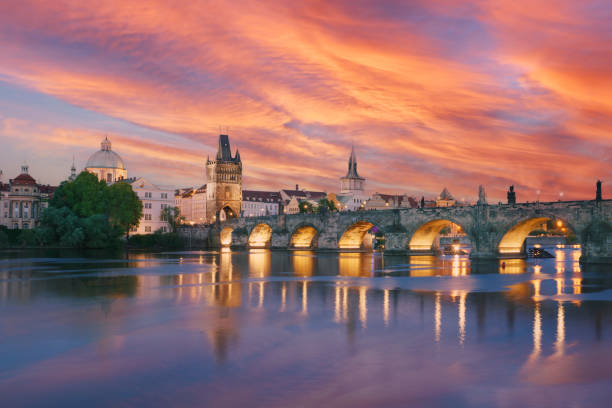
[{"x": 431, "y": 93}]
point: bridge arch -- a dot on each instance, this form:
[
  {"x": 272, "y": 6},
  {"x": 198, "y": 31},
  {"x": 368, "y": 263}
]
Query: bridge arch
[
  {"x": 354, "y": 236},
  {"x": 512, "y": 240},
  {"x": 424, "y": 237},
  {"x": 304, "y": 236},
  {"x": 225, "y": 237},
  {"x": 260, "y": 236}
]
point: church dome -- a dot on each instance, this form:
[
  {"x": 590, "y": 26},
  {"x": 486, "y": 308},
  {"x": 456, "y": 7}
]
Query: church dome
[{"x": 105, "y": 158}]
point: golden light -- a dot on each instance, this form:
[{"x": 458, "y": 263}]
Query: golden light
[
  {"x": 559, "y": 223},
  {"x": 260, "y": 236},
  {"x": 226, "y": 237}
]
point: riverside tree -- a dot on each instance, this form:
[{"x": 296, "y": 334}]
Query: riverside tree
[{"x": 88, "y": 213}]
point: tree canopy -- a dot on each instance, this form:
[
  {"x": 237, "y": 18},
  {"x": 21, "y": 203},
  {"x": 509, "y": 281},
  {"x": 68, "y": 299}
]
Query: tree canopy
[{"x": 89, "y": 213}]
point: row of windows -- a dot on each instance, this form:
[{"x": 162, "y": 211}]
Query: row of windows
[
  {"x": 25, "y": 190},
  {"x": 149, "y": 206},
  {"x": 149, "y": 194}
]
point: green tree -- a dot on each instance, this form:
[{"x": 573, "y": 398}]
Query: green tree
[
  {"x": 305, "y": 207},
  {"x": 4, "y": 241},
  {"x": 172, "y": 215},
  {"x": 325, "y": 205},
  {"x": 124, "y": 207},
  {"x": 85, "y": 196}
]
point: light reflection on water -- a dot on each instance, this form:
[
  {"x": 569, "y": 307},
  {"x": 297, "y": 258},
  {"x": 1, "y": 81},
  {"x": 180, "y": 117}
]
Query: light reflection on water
[{"x": 265, "y": 328}]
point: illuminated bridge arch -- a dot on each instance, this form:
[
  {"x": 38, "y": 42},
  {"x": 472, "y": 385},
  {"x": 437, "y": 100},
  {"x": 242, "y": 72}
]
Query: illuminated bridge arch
[
  {"x": 260, "y": 236},
  {"x": 225, "y": 237},
  {"x": 423, "y": 238},
  {"x": 513, "y": 240},
  {"x": 353, "y": 236},
  {"x": 304, "y": 237}
]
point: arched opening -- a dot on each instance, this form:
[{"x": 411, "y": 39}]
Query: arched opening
[
  {"x": 362, "y": 235},
  {"x": 228, "y": 213},
  {"x": 226, "y": 236},
  {"x": 540, "y": 231},
  {"x": 260, "y": 236},
  {"x": 440, "y": 235},
  {"x": 304, "y": 237}
]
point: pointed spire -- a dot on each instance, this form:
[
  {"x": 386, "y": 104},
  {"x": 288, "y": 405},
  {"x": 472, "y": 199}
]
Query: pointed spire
[
  {"x": 352, "y": 165},
  {"x": 237, "y": 157},
  {"x": 72, "y": 170}
]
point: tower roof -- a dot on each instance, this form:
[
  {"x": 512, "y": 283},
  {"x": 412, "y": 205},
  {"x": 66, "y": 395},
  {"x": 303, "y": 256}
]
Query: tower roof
[
  {"x": 224, "y": 152},
  {"x": 445, "y": 195},
  {"x": 352, "y": 165}
]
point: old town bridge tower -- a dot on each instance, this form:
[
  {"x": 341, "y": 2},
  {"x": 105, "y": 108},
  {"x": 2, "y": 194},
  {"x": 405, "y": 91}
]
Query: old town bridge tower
[{"x": 223, "y": 183}]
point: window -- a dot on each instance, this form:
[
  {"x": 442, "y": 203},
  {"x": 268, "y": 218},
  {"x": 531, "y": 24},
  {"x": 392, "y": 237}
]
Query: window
[
  {"x": 147, "y": 205},
  {"x": 148, "y": 195},
  {"x": 26, "y": 225},
  {"x": 148, "y": 229},
  {"x": 26, "y": 189},
  {"x": 133, "y": 229},
  {"x": 147, "y": 217},
  {"x": 109, "y": 177},
  {"x": 164, "y": 195}
]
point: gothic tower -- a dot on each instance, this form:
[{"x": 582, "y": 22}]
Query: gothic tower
[
  {"x": 352, "y": 183},
  {"x": 223, "y": 183}
]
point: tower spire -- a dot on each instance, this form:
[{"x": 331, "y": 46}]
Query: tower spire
[
  {"x": 72, "y": 170},
  {"x": 352, "y": 164}
]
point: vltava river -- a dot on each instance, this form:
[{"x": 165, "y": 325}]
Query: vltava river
[{"x": 301, "y": 329}]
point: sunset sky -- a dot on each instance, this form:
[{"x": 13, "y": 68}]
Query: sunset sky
[{"x": 431, "y": 93}]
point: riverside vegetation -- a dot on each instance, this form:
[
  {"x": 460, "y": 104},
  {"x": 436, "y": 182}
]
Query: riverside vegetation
[{"x": 88, "y": 213}]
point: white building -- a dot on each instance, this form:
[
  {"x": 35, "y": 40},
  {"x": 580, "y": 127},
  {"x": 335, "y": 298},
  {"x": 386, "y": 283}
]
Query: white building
[
  {"x": 154, "y": 199},
  {"x": 106, "y": 164},
  {"x": 258, "y": 203},
  {"x": 352, "y": 194},
  {"x": 191, "y": 203}
]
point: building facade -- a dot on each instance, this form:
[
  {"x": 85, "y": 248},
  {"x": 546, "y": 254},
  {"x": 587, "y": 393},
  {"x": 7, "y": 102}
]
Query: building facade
[
  {"x": 257, "y": 203},
  {"x": 106, "y": 164},
  {"x": 22, "y": 200},
  {"x": 154, "y": 200},
  {"x": 380, "y": 201},
  {"x": 445, "y": 199},
  {"x": 191, "y": 203},
  {"x": 223, "y": 183}
]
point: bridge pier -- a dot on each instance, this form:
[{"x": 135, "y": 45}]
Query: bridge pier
[{"x": 597, "y": 242}]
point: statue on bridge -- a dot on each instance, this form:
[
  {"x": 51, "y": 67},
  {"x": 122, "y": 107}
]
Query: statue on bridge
[
  {"x": 511, "y": 196},
  {"x": 482, "y": 197},
  {"x": 598, "y": 193}
]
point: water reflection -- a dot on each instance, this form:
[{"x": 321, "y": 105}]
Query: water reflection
[{"x": 313, "y": 315}]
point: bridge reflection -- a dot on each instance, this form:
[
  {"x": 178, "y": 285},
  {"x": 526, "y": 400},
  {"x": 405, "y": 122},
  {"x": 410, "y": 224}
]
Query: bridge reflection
[{"x": 355, "y": 290}]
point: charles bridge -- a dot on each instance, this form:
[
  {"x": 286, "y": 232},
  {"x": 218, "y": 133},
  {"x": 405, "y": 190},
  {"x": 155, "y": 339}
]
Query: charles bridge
[{"x": 494, "y": 230}]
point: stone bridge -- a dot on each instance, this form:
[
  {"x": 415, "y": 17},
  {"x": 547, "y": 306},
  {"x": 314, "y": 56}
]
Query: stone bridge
[{"x": 494, "y": 230}]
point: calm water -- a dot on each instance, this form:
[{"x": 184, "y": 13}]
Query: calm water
[{"x": 299, "y": 329}]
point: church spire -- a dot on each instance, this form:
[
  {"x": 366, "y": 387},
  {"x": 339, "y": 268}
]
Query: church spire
[
  {"x": 352, "y": 165},
  {"x": 72, "y": 170}
]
